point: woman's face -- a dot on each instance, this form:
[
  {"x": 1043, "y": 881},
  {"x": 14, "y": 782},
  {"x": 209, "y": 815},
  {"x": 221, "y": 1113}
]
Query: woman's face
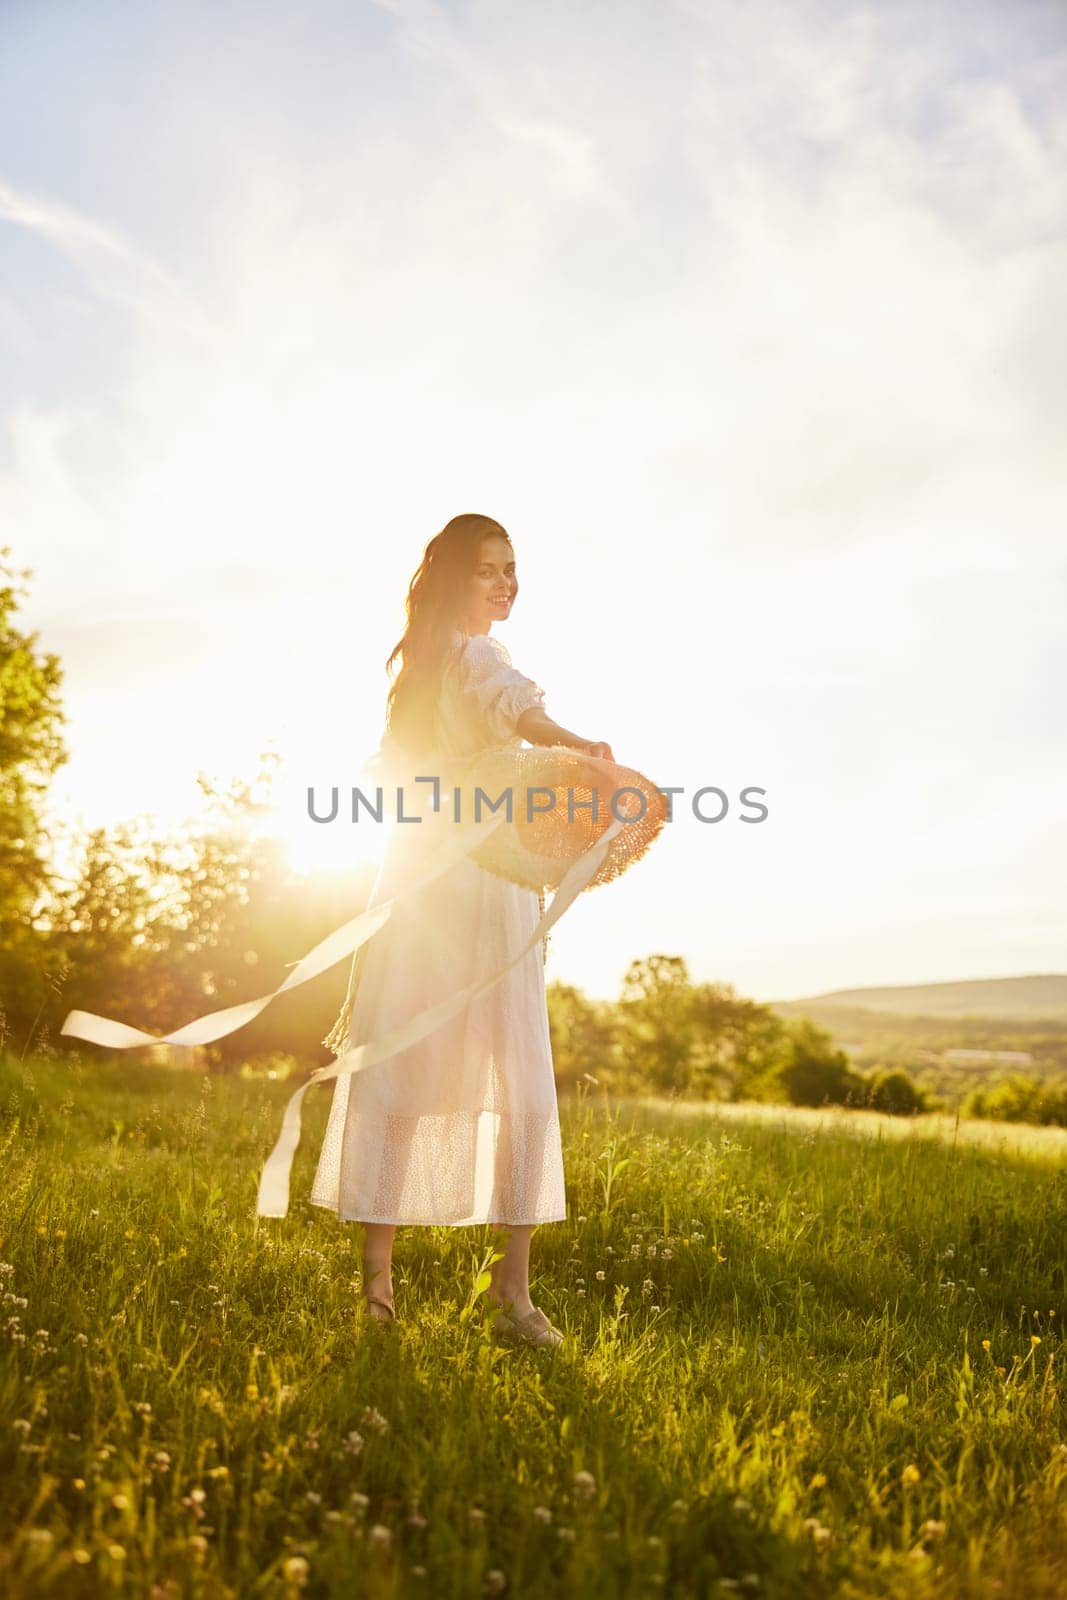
[{"x": 492, "y": 586}]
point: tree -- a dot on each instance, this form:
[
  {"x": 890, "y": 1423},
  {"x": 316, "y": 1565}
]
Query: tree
[
  {"x": 895, "y": 1092},
  {"x": 31, "y": 750},
  {"x": 583, "y": 1036},
  {"x": 658, "y": 1035},
  {"x": 809, "y": 1071}
]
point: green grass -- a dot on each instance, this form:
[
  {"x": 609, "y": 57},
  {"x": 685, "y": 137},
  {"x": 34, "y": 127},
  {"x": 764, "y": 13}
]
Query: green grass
[{"x": 779, "y": 1385}]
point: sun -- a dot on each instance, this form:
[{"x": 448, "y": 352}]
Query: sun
[{"x": 323, "y": 830}]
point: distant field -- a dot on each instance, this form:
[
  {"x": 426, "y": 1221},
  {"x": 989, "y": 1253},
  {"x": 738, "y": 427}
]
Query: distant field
[
  {"x": 1044, "y": 1145},
  {"x": 808, "y": 1355}
]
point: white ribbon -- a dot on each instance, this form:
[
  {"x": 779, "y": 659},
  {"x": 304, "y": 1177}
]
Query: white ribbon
[{"x": 273, "y": 1198}]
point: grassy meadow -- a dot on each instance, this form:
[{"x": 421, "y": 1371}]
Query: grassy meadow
[{"x": 802, "y": 1359}]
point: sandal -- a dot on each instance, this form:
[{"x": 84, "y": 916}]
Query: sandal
[
  {"x": 385, "y": 1305},
  {"x": 533, "y": 1328}
]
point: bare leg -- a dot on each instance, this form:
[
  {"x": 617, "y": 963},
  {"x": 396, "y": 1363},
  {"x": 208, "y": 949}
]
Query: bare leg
[
  {"x": 510, "y": 1276},
  {"x": 378, "y": 1265}
]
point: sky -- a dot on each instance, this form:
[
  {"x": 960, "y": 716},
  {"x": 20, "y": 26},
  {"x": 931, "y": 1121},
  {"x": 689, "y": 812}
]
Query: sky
[{"x": 748, "y": 323}]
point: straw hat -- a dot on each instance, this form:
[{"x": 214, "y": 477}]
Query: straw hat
[{"x": 552, "y": 821}]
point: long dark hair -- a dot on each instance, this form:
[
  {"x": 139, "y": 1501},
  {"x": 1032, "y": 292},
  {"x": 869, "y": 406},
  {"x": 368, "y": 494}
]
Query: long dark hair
[{"x": 436, "y": 598}]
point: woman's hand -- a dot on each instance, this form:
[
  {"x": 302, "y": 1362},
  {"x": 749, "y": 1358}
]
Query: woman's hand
[{"x": 600, "y": 749}]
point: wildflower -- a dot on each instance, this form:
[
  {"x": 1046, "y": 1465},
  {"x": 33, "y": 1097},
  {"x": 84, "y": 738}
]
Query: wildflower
[
  {"x": 312, "y": 1498},
  {"x": 986, "y": 1344},
  {"x": 372, "y": 1418},
  {"x": 495, "y": 1581},
  {"x": 6, "y": 1269},
  {"x": 741, "y": 1507},
  {"x": 933, "y": 1530},
  {"x": 600, "y": 1277},
  {"x": 542, "y": 1514},
  {"x": 197, "y": 1546},
  {"x": 566, "y": 1534},
  {"x": 82, "y": 1556},
  {"x": 911, "y": 1474},
  {"x": 295, "y": 1570},
  {"x": 42, "y": 1538},
  {"x": 77, "y": 1483},
  {"x": 379, "y": 1535},
  {"x": 120, "y": 1502},
  {"x": 354, "y": 1443},
  {"x": 358, "y": 1501},
  {"x": 476, "y": 1517},
  {"x": 668, "y": 1255},
  {"x": 81, "y": 1338},
  {"x": 1035, "y": 1339},
  {"x": 647, "y": 1287},
  {"x": 22, "y": 1425},
  {"x": 117, "y": 1552},
  {"x": 251, "y": 1391},
  {"x": 819, "y": 1481},
  {"x": 584, "y": 1485}
]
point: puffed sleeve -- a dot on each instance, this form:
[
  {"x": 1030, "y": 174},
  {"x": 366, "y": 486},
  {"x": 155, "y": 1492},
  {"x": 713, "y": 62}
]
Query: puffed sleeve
[{"x": 499, "y": 690}]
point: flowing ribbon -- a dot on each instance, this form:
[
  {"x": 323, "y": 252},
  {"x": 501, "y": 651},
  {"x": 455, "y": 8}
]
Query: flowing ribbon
[{"x": 273, "y": 1197}]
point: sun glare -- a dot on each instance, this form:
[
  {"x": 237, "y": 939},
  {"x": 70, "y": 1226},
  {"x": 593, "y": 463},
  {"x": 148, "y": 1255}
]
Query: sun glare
[{"x": 337, "y": 844}]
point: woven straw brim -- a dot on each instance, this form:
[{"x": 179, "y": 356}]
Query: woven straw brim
[{"x": 553, "y": 792}]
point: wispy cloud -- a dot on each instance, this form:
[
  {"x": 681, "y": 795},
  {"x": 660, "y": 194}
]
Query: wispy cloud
[{"x": 115, "y": 268}]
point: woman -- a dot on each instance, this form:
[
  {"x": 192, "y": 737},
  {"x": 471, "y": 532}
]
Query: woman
[{"x": 462, "y": 1127}]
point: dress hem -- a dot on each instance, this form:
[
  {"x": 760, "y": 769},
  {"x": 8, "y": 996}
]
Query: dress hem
[{"x": 439, "y": 1222}]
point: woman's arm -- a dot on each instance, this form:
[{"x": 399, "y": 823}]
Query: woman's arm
[{"x": 539, "y": 728}]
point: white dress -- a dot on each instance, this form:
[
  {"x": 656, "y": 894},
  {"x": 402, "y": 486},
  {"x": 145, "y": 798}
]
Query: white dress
[{"x": 463, "y": 1126}]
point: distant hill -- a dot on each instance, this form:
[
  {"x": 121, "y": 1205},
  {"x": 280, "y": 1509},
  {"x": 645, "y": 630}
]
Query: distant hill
[{"x": 1041, "y": 998}]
